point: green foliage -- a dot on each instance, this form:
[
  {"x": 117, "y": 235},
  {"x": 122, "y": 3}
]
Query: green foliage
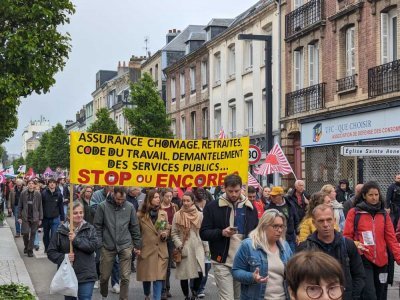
[
  {"x": 103, "y": 123},
  {"x": 2, "y": 218},
  {"x": 32, "y": 51},
  {"x": 18, "y": 162},
  {"x": 40, "y": 161},
  {"x": 30, "y": 160},
  {"x": 3, "y": 155},
  {"x": 148, "y": 116},
  {"x": 15, "y": 291},
  {"x": 57, "y": 148}
]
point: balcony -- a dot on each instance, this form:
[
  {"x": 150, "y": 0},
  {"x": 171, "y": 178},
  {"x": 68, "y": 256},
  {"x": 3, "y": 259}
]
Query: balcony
[
  {"x": 384, "y": 79},
  {"x": 304, "y": 18},
  {"x": 347, "y": 84},
  {"x": 305, "y": 100}
]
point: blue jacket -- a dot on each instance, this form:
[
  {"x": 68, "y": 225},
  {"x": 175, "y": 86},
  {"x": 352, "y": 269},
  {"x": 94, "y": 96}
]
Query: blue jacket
[{"x": 246, "y": 261}]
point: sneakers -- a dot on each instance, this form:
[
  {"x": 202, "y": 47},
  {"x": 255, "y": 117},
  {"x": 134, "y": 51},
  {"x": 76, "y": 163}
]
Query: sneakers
[
  {"x": 115, "y": 289},
  {"x": 36, "y": 248},
  {"x": 96, "y": 284},
  {"x": 201, "y": 294}
]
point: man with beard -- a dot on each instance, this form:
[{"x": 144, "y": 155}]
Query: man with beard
[
  {"x": 393, "y": 200},
  {"x": 226, "y": 222}
]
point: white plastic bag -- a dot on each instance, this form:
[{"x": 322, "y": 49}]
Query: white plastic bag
[{"x": 64, "y": 281}]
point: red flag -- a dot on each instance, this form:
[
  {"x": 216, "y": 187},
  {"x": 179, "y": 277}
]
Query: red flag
[
  {"x": 276, "y": 162},
  {"x": 30, "y": 174}
]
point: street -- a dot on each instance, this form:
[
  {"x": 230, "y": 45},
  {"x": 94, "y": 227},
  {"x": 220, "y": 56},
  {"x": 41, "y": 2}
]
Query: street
[{"x": 41, "y": 271}]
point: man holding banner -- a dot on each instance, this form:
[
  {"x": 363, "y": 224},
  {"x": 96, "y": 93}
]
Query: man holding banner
[{"x": 226, "y": 222}]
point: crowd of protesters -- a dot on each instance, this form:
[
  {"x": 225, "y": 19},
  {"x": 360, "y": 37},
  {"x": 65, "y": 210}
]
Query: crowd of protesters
[{"x": 346, "y": 242}]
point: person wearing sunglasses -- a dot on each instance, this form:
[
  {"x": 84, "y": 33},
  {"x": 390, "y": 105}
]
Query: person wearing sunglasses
[
  {"x": 259, "y": 264},
  {"x": 314, "y": 275}
]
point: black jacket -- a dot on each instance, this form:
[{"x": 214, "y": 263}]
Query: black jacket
[
  {"x": 393, "y": 195},
  {"x": 133, "y": 201},
  {"x": 292, "y": 219},
  {"x": 52, "y": 203},
  {"x": 216, "y": 219},
  {"x": 84, "y": 246},
  {"x": 351, "y": 261},
  {"x": 300, "y": 208}
]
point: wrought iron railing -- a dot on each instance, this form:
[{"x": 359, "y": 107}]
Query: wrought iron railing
[
  {"x": 304, "y": 17},
  {"x": 347, "y": 83},
  {"x": 304, "y": 100},
  {"x": 384, "y": 79}
]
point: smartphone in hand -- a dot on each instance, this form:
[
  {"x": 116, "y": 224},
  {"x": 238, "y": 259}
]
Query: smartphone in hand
[{"x": 234, "y": 229}]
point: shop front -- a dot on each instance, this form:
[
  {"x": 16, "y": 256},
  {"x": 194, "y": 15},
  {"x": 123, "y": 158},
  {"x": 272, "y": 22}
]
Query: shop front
[{"x": 322, "y": 139}]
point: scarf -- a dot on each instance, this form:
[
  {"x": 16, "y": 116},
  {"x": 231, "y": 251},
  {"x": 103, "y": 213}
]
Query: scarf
[
  {"x": 76, "y": 229},
  {"x": 371, "y": 209},
  {"x": 185, "y": 217},
  {"x": 153, "y": 213}
]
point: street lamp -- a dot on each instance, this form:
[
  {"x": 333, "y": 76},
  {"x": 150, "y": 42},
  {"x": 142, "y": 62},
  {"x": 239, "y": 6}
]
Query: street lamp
[{"x": 268, "y": 89}]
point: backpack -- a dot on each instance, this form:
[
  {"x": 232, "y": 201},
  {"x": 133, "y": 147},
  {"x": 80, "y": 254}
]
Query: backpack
[{"x": 357, "y": 219}]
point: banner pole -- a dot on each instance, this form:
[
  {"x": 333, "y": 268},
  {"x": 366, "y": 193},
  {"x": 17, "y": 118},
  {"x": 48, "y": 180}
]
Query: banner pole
[
  {"x": 71, "y": 214},
  {"x": 294, "y": 176}
]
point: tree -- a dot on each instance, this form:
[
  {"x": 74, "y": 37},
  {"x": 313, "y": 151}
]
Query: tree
[
  {"x": 18, "y": 162},
  {"x": 57, "y": 148},
  {"x": 3, "y": 155},
  {"x": 148, "y": 116},
  {"x": 103, "y": 123},
  {"x": 40, "y": 154},
  {"x": 30, "y": 160},
  {"x": 32, "y": 51}
]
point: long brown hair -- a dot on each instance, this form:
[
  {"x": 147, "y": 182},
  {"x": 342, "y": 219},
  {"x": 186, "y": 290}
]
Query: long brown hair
[
  {"x": 315, "y": 200},
  {"x": 146, "y": 206}
]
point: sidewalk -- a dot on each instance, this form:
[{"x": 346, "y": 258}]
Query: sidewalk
[{"x": 12, "y": 267}]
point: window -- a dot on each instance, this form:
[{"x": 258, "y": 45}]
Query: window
[
  {"x": 313, "y": 64},
  {"x": 232, "y": 118},
  {"x": 193, "y": 124},
  {"x": 111, "y": 99},
  {"x": 173, "y": 89},
  {"x": 297, "y": 3},
  {"x": 156, "y": 74},
  {"x": 298, "y": 69},
  {"x": 183, "y": 128},
  {"x": 217, "y": 68},
  {"x": 217, "y": 120},
  {"x": 182, "y": 84},
  {"x": 205, "y": 122},
  {"x": 389, "y": 36},
  {"x": 151, "y": 72},
  {"x": 173, "y": 127},
  {"x": 121, "y": 122},
  {"x": 266, "y": 30},
  {"x": 193, "y": 79},
  {"x": 248, "y": 55},
  {"x": 231, "y": 61},
  {"x": 204, "y": 74},
  {"x": 249, "y": 114},
  {"x": 350, "y": 52}
]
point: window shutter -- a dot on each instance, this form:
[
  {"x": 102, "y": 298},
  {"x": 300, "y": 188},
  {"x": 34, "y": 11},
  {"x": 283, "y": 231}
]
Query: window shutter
[
  {"x": 298, "y": 70},
  {"x": 350, "y": 52},
  {"x": 311, "y": 68},
  {"x": 384, "y": 38}
]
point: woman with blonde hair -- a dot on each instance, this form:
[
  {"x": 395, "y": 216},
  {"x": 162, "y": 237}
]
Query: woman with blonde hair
[
  {"x": 153, "y": 259},
  {"x": 260, "y": 262},
  {"x": 186, "y": 237},
  {"x": 306, "y": 226},
  {"x": 329, "y": 190}
]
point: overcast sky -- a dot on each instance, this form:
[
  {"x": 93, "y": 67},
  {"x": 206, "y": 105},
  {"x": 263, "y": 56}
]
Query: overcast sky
[{"x": 104, "y": 32}]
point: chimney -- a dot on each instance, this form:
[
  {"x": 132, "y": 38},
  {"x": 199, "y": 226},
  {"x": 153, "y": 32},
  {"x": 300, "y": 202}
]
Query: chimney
[{"x": 172, "y": 33}]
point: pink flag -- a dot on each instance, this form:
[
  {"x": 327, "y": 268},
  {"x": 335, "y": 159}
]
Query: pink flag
[
  {"x": 222, "y": 134},
  {"x": 276, "y": 162},
  {"x": 48, "y": 173},
  {"x": 251, "y": 181}
]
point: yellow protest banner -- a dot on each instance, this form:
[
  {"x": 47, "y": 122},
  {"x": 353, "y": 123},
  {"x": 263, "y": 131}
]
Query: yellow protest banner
[{"x": 105, "y": 159}]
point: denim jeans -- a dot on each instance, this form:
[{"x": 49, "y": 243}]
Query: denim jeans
[
  {"x": 36, "y": 242},
  {"x": 85, "y": 291},
  {"x": 50, "y": 226},
  {"x": 17, "y": 225},
  {"x": 157, "y": 288},
  {"x": 115, "y": 272}
]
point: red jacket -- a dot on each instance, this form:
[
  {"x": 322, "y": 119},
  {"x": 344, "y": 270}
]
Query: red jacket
[
  {"x": 382, "y": 233},
  {"x": 398, "y": 231},
  {"x": 259, "y": 205}
]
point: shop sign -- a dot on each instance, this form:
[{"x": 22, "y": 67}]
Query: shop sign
[
  {"x": 369, "y": 151},
  {"x": 381, "y": 124}
]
